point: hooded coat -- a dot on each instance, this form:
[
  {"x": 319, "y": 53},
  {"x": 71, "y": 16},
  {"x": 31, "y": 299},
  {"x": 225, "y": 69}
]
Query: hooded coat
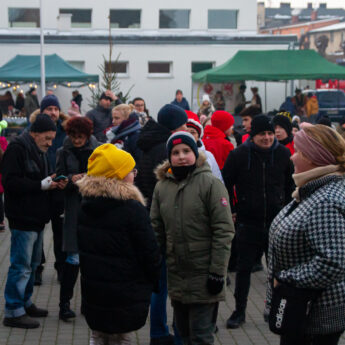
[
  {"x": 194, "y": 228},
  {"x": 217, "y": 143},
  {"x": 152, "y": 142},
  {"x": 69, "y": 164},
  {"x": 119, "y": 255}
]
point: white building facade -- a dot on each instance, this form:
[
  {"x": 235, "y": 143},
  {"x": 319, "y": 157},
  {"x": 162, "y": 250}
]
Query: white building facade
[{"x": 161, "y": 43}]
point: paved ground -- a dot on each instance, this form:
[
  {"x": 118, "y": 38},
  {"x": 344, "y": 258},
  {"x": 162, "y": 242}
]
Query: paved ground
[{"x": 55, "y": 332}]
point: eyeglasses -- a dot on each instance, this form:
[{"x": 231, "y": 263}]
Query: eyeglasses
[{"x": 135, "y": 172}]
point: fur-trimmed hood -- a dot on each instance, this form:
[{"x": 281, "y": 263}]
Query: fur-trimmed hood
[
  {"x": 162, "y": 170},
  {"x": 92, "y": 186},
  {"x": 63, "y": 117}
]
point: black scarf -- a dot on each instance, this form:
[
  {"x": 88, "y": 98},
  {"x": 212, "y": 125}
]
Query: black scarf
[
  {"x": 287, "y": 140},
  {"x": 180, "y": 173}
]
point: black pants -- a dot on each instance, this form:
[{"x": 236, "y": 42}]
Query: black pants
[
  {"x": 1, "y": 208},
  {"x": 60, "y": 256},
  {"x": 325, "y": 339},
  {"x": 251, "y": 243}
]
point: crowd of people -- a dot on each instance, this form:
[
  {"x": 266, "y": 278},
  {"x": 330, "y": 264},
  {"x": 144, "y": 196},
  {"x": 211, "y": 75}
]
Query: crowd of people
[{"x": 145, "y": 209}]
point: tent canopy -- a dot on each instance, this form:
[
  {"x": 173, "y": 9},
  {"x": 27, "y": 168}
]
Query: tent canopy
[
  {"x": 27, "y": 68},
  {"x": 272, "y": 65}
]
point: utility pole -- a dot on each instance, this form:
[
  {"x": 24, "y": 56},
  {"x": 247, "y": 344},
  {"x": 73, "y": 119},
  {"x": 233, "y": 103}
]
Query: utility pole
[{"x": 43, "y": 70}]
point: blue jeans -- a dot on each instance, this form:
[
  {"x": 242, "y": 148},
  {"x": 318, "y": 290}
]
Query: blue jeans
[
  {"x": 158, "y": 310},
  {"x": 25, "y": 256}
]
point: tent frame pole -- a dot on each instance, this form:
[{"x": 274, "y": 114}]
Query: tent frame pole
[
  {"x": 43, "y": 76},
  {"x": 265, "y": 97}
]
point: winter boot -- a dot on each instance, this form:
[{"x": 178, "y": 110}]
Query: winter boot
[{"x": 69, "y": 278}]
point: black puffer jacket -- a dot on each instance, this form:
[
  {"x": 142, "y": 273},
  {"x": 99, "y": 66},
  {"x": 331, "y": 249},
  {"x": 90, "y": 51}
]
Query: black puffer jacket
[
  {"x": 152, "y": 143},
  {"x": 119, "y": 255},
  {"x": 263, "y": 182}
]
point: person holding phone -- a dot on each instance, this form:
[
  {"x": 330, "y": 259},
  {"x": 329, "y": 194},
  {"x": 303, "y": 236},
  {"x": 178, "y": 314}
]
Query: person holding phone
[
  {"x": 72, "y": 161},
  {"x": 27, "y": 184}
]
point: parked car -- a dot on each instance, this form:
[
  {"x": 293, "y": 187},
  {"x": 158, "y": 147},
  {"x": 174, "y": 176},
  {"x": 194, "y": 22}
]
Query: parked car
[{"x": 331, "y": 103}]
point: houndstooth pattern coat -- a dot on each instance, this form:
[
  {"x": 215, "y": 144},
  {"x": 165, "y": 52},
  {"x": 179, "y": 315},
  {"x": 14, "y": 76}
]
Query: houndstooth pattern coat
[{"x": 308, "y": 243}]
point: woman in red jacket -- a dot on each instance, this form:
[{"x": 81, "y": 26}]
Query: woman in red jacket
[
  {"x": 283, "y": 131},
  {"x": 215, "y": 136}
]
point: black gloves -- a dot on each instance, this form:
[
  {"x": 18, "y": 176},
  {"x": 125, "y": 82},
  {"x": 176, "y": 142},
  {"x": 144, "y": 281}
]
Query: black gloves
[{"x": 215, "y": 283}]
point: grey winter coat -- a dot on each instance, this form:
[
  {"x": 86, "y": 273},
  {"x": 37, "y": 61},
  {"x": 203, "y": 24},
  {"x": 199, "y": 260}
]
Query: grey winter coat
[
  {"x": 67, "y": 164},
  {"x": 307, "y": 250}
]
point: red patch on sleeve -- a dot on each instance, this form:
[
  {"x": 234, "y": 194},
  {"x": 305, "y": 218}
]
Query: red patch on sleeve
[
  {"x": 177, "y": 141},
  {"x": 224, "y": 202}
]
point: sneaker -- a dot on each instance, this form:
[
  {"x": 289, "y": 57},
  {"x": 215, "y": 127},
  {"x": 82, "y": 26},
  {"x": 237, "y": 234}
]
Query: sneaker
[
  {"x": 236, "y": 320},
  {"x": 23, "y": 321},
  {"x": 66, "y": 313},
  {"x": 167, "y": 340},
  {"x": 33, "y": 311}
]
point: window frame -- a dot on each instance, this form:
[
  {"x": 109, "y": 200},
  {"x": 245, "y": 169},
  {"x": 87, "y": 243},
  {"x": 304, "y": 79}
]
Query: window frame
[
  {"x": 222, "y": 10},
  {"x": 126, "y": 9},
  {"x": 10, "y": 25},
  {"x": 120, "y": 74},
  {"x": 173, "y": 9},
  {"x": 160, "y": 75},
  {"x": 77, "y": 9},
  {"x": 213, "y": 63}
]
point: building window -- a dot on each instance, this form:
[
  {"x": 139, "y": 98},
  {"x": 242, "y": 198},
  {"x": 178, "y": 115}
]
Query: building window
[
  {"x": 160, "y": 69},
  {"x": 125, "y": 19},
  {"x": 222, "y": 19},
  {"x": 120, "y": 67},
  {"x": 201, "y": 66},
  {"x": 80, "y": 65},
  {"x": 81, "y": 18},
  {"x": 24, "y": 17},
  {"x": 174, "y": 19}
]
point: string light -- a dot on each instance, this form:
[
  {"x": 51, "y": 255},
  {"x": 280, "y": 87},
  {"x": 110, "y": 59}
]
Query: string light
[
  {"x": 55, "y": 86},
  {"x": 35, "y": 86},
  {"x": 30, "y": 85},
  {"x": 21, "y": 91},
  {"x": 68, "y": 84},
  {"x": 9, "y": 85}
]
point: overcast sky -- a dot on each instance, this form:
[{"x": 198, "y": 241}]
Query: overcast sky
[{"x": 303, "y": 3}]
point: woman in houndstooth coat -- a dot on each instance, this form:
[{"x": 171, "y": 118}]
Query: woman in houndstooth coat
[{"x": 307, "y": 238}]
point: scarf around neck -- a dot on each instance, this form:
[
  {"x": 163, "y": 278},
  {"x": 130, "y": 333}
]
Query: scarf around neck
[{"x": 303, "y": 178}]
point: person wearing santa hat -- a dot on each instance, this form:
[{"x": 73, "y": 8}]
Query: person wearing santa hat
[
  {"x": 216, "y": 136},
  {"x": 196, "y": 129}
]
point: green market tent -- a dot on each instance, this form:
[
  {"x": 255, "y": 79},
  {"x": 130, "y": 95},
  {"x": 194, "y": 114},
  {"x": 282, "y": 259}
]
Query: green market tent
[
  {"x": 272, "y": 65},
  {"x": 27, "y": 68}
]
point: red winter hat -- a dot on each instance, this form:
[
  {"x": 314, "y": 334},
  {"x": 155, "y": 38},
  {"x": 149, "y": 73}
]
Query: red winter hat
[
  {"x": 194, "y": 122},
  {"x": 222, "y": 120}
]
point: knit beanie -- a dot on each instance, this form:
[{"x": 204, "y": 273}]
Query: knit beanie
[
  {"x": 172, "y": 116},
  {"x": 194, "y": 122},
  {"x": 284, "y": 122},
  {"x": 48, "y": 101},
  {"x": 43, "y": 123},
  {"x": 260, "y": 123},
  {"x": 222, "y": 120},
  {"x": 110, "y": 162},
  {"x": 182, "y": 137}
]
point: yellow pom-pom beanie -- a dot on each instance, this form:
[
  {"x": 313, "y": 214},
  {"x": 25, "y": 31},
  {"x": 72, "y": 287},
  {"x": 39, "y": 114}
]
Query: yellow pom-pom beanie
[{"x": 109, "y": 161}]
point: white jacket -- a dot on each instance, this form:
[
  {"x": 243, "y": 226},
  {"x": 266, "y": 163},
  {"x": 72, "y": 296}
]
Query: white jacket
[{"x": 211, "y": 161}]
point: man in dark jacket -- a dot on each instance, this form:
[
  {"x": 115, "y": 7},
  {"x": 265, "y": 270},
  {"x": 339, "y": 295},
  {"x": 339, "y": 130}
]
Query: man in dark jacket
[
  {"x": 50, "y": 106},
  {"x": 261, "y": 172},
  {"x": 31, "y": 102},
  {"x": 101, "y": 116},
  {"x": 152, "y": 142},
  {"x": 180, "y": 101},
  {"x": 26, "y": 181}
]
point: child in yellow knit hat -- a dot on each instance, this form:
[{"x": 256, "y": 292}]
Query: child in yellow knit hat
[{"x": 119, "y": 255}]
